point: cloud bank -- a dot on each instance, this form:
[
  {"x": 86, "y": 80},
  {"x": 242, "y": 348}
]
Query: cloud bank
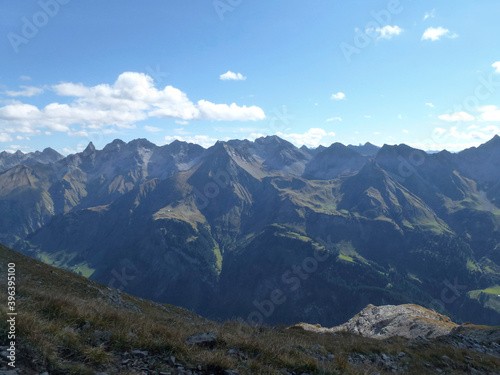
[{"x": 132, "y": 98}]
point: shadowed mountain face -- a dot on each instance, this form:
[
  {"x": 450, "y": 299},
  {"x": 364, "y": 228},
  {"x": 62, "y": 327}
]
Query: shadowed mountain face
[
  {"x": 73, "y": 325},
  {"x": 266, "y": 231}
]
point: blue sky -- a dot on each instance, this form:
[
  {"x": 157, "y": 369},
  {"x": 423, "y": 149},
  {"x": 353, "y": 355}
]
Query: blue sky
[{"x": 423, "y": 73}]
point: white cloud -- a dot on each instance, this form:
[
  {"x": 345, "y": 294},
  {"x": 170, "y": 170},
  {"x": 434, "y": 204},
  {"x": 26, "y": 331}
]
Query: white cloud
[
  {"x": 224, "y": 112},
  {"x": 152, "y": 129},
  {"x": 4, "y": 137},
  {"x": 130, "y": 99},
  {"x": 431, "y": 14},
  {"x": 496, "y": 65},
  {"x": 181, "y": 122},
  {"x": 338, "y": 96},
  {"x": 454, "y": 140},
  {"x": 231, "y": 76},
  {"x": 334, "y": 119},
  {"x": 489, "y": 113},
  {"x": 26, "y": 91},
  {"x": 202, "y": 140},
  {"x": 386, "y": 32},
  {"x": 457, "y": 116},
  {"x": 481, "y": 134},
  {"x": 80, "y": 133},
  {"x": 435, "y": 33},
  {"x": 311, "y": 138},
  {"x": 429, "y": 105}
]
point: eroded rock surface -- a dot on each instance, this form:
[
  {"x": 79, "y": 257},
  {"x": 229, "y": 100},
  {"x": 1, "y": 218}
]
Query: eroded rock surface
[{"x": 381, "y": 322}]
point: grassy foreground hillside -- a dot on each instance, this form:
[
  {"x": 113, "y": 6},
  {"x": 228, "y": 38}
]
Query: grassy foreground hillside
[{"x": 67, "y": 324}]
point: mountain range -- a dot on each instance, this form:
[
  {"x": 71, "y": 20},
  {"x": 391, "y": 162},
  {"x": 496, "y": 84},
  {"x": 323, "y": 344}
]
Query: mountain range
[{"x": 266, "y": 231}]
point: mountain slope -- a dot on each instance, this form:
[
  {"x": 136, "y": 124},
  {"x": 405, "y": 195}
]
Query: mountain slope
[
  {"x": 333, "y": 161},
  {"x": 72, "y": 325}
]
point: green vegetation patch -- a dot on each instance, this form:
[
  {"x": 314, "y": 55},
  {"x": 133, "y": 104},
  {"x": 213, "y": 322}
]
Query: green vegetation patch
[
  {"x": 348, "y": 253},
  {"x": 62, "y": 259},
  {"x": 489, "y": 297}
]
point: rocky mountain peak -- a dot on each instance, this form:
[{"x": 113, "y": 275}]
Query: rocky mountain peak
[
  {"x": 90, "y": 149},
  {"x": 141, "y": 143},
  {"x": 270, "y": 139},
  {"x": 116, "y": 145},
  {"x": 50, "y": 152},
  {"x": 381, "y": 322}
]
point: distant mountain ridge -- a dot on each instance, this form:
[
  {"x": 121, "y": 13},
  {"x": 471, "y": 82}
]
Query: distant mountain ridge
[
  {"x": 11, "y": 160},
  {"x": 218, "y": 230},
  {"x": 368, "y": 149}
]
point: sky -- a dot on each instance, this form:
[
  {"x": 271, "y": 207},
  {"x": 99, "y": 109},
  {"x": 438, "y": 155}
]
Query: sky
[{"x": 424, "y": 73}]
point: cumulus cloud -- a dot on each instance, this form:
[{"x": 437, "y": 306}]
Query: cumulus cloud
[
  {"x": 224, "y": 112},
  {"x": 457, "y": 116},
  {"x": 26, "y": 91},
  {"x": 231, "y": 76},
  {"x": 479, "y": 134},
  {"x": 132, "y": 98},
  {"x": 453, "y": 139},
  {"x": 4, "y": 137},
  {"x": 202, "y": 140},
  {"x": 435, "y": 33},
  {"x": 338, "y": 96},
  {"x": 311, "y": 138},
  {"x": 489, "y": 113},
  {"x": 496, "y": 65},
  {"x": 386, "y": 32}
]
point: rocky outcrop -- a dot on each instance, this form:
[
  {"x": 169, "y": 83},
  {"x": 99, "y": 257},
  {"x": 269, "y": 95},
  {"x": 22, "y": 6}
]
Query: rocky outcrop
[{"x": 410, "y": 321}]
